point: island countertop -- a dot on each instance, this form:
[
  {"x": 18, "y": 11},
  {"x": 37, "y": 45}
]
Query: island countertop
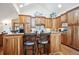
[
  {"x": 13, "y": 44},
  {"x": 13, "y": 34}
]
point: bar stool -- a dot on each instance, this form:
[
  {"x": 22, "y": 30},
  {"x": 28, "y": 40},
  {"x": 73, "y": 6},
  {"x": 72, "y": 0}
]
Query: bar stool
[
  {"x": 43, "y": 42},
  {"x": 29, "y": 41}
]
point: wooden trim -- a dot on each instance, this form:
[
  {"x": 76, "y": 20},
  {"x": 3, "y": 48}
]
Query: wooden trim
[
  {"x": 70, "y": 46},
  {"x": 73, "y": 24},
  {"x": 65, "y": 12},
  {"x": 40, "y": 17},
  {"x": 25, "y": 15}
]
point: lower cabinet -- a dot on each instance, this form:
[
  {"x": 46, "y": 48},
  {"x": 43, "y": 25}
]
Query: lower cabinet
[
  {"x": 12, "y": 45},
  {"x": 71, "y": 37},
  {"x": 55, "y": 42},
  {"x": 75, "y": 43},
  {"x": 1, "y": 40},
  {"x": 64, "y": 38}
]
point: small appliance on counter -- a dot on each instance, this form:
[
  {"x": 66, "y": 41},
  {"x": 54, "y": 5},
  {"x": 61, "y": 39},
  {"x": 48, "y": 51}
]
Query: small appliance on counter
[
  {"x": 64, "y": 27},
  {"x": 21, "y": 30},
  {"x": 40, "y": 28}
]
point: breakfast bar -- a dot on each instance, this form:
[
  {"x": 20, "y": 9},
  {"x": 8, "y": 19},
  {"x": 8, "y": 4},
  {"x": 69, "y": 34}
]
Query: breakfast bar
[{"x": 13, "y": 44}]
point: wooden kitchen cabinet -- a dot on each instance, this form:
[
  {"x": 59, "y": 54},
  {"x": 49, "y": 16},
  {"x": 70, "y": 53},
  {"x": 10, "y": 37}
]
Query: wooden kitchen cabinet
[
  {"x": 54, "y": 26},
  {"x": 55, "y": 42},
  {"x": 13, "y": 44},
  {"x": 63, "y": 18},
  {"x": 56, "y": 22},
  {"x": 77, "y": 39},
  {"x": 69, "y": 36},
  {"x": 45, "y": 21},
  {"x": 27, "y": 24},
  {"x": 75, "y": 42},
  {"x": 70, "y": 17},
  {"x": 26, "y": 20},
  {"x": 1, "y": 40},
  {"x": 37, "y": 20},
  {"x": 75, "y": 30},
  {"x": 76, "y": 16},
  {"x": 40, "y": 20},
  {"x": 22, "y": 18},
  {"x": 64, "y": 38},
  {"x": 48, "y": 23},
  {"x": 13, "y": 22}
]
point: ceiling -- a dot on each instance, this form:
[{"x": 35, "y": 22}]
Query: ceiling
[
  {"x": 11, "y": 10},
  {"x": 7, "y": 11}
]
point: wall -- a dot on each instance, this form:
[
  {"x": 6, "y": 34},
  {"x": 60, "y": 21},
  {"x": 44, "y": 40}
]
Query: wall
[
  {"x": 1, "y": 27},
  {"x": 5, "y": 25}
]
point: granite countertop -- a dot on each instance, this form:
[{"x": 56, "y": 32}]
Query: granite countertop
[{"x": 14, "y": 34}]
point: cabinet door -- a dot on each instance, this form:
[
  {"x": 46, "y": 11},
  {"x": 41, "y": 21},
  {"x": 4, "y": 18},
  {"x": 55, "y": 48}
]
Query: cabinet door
[
  {"x": 48, "y": 22},
  {"x": 70, "y": 17},
  {"x": 64, "y": 38},
  {"x": 1, "y": 40},
  {"x": 28, "y": 24},
  {"x": 75, "y": 36},
  {"x": 13, "y": 45},
  {"x": 54, "y": 24},
  {"x": 21, "y": 18},
  {"x": 55, "y": 42},
  {"x": 75, "y": 42},
  {"x": 8, "y": 46},
  {"x": 58, "y": 22},
  {"x": 76, "y": 16},
  {"x": 42, "y": 20},
  {"x": 64, "y": 18},
  {"x": 69, "y": 36},
  {"x": 38, "y": 20}
]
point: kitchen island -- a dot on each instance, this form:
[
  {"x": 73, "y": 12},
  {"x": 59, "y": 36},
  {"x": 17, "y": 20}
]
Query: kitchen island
[
  {"x": 55, "y": 42},
  {"x": 13, "y": 44}
]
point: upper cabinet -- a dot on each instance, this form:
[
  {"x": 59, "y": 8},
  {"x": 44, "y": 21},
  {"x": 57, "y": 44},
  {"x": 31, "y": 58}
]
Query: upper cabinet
[
  {"x": 40, "y": 20},
  {"x": 21, "y": 18},
  {"x": 37, "y": 20},
  {"x": 28, "y": 24},
  {"x": 73, "y": 16},
  {"x": 26, "y": 20},
  {"x": 48, "y": 23},
  {"x": 56, "y": 23},
  {"x": 13, "y": 44},
  {"x": 72, "y": 35},
  {"x": 76, "y": 16},
  {"x": 33, "y": 22},
  {"x": 70, "y": 17},
  {"x": 64, "y": 18}
]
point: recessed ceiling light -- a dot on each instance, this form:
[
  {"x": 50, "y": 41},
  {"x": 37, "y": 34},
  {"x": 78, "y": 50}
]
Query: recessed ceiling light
[
  {"x": 21, "y": 5},
  {"x": 59, "y": 5}
]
